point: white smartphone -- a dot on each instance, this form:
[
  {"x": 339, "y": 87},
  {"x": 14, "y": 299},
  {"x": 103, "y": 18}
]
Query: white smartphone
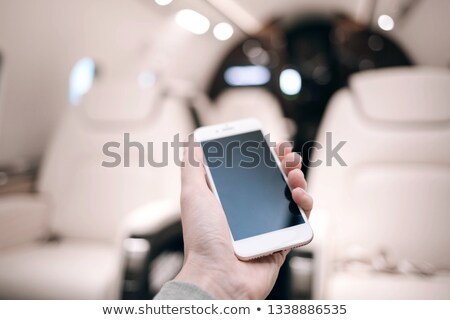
[{"x": 245, "y": 174}]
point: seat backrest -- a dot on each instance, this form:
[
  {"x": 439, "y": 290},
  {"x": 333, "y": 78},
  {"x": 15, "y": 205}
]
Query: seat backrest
[
  {"x": 90, "y": 200},
  {"x": 393, "y": 195},
  {"x": 238, "y": 103}
]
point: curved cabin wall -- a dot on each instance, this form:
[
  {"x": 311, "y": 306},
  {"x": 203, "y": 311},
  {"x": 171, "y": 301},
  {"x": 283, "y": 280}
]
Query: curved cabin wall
[{"x": 40, "y": 42}]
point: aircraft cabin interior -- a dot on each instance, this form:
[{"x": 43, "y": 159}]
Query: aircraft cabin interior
[{"x": 360, "y": 87}]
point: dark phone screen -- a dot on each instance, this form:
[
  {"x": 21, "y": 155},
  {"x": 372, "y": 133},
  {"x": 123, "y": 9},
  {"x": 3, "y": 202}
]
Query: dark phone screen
[{"x": 251, "y": 188}]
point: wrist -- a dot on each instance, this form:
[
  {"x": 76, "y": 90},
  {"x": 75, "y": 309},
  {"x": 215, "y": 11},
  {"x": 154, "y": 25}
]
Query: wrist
[{"x": 211, "y": 280}]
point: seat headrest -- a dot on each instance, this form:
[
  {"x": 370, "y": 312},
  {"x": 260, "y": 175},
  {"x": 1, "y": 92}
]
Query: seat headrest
[
  {"x": 413, "y": 94},
  {"x": 119, "y": 100},
  {"x": 238, "y": 103},
  {"x": 246, "y": 97}
]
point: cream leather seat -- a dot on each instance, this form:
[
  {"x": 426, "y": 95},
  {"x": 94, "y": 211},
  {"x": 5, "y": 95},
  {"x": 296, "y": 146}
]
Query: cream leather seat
[
  {"x": 238, "y": 103},
  {"x": 87, "y": 207},
  {"x": 386, "y": 232}
]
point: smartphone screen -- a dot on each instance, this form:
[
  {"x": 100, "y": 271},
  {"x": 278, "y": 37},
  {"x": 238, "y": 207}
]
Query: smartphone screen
[{"x": 250, "y": 185}]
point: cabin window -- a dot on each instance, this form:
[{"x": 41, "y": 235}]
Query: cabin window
[
  {"x": 247, "y": 75},
  {"x": 81, "y": 79}
]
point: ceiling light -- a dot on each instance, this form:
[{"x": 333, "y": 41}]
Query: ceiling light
[
  {"x": 386, "y": 22},
  {"x": 223, "y": 31},
  {"x": 163, "y": 2},
  {"x": 192, "y": 21}
]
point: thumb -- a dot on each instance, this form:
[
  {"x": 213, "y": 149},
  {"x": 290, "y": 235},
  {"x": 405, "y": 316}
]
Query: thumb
[{"x": 192, "y": 170}]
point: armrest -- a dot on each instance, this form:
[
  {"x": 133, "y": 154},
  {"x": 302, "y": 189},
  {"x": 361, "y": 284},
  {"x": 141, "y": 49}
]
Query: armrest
[
  {"x": 23, "y": 218},
  {"x": 321, "y": 249},
  {"x": 152, "y": 217}
]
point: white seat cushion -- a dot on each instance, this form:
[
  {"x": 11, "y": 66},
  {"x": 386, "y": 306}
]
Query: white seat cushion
[
  {"x": 361, "y": 285},
  {"x": 59, "y": 270}
]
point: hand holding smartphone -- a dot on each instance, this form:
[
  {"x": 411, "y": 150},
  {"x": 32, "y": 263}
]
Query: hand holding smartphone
[{"x": 245, "y": 174}]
